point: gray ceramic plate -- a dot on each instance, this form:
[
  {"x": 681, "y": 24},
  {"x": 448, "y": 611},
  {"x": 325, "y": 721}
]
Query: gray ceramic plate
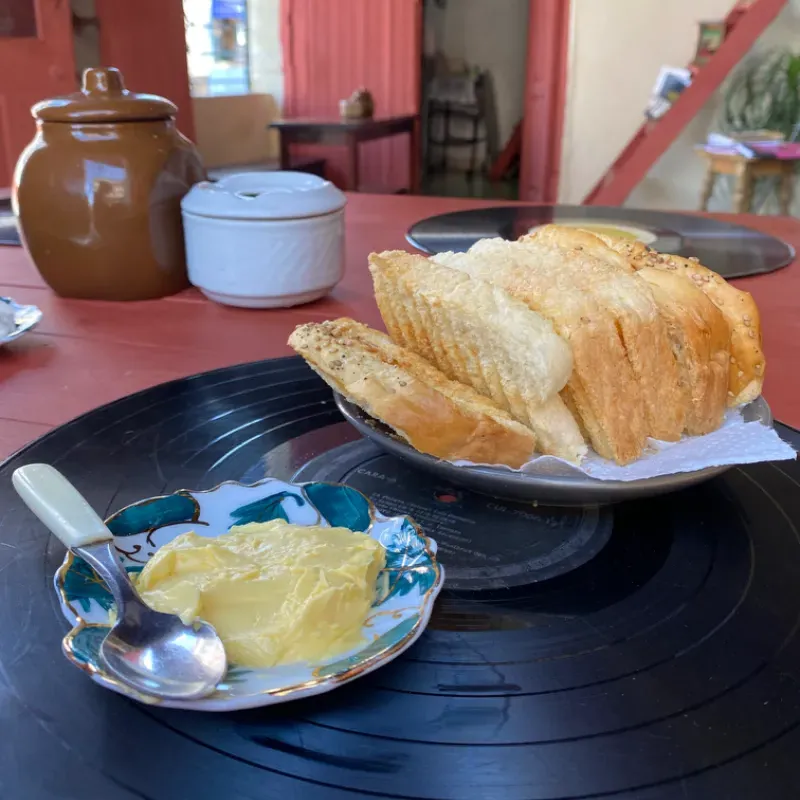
[
  {"x": 553, "y": 490},
  {"x": 25, "y": 318}
]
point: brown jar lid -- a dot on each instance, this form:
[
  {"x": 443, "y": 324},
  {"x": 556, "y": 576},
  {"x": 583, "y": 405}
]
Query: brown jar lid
[{"x": 104, "y": 98}]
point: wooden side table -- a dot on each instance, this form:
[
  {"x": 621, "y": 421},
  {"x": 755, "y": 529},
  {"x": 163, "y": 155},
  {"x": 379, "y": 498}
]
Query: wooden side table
[
  {"x": 746, "y": 171},
  {"x": 350, "y": 133}
]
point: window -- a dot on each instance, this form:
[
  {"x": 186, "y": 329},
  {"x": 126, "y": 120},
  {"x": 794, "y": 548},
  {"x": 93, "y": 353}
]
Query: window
[
  {"x": 18, "y": 19},
  {"x": 217, "y": 47}
]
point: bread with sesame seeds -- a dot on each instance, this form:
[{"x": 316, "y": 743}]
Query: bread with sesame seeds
[
  {"x": 747, "y": 362},
  {"x": 480, "y": 335},
  {"x": 623, "y": 361},
  {"x": 701, "y": 343},
  {"x": 696, "y": 330},
  {"x": 433, "y": 414},
  {"x": 640, "y": 325}
]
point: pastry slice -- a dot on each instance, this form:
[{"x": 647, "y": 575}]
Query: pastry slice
[
  {"x": 612, "y": 280},
  {"x": 479, "y": 335},
  {"x": 747, "y": 364},
  {"x": 433, "y": 414},
  {"x": 701, "y": 343},
  {"x": 603, "y": 391}
]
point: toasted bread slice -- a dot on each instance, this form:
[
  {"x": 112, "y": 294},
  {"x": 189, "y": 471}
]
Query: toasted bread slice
[
  {"x": 697, "y": 332},
  {"x": 747, "y": 363},
  {"x": 701, "y": 343},
  {"x": 602, "y": 391},
  {"x": 642, "y": 330},
  {"x": 480, "y": 335},
  {"x": 435, "y": 415}
]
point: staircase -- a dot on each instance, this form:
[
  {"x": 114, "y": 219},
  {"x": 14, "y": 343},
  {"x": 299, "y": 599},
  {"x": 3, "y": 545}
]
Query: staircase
[{"x": 651, "y": 141}]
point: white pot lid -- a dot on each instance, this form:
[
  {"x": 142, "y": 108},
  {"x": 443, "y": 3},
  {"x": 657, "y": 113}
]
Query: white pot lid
[{"x": 264, "y": 195}]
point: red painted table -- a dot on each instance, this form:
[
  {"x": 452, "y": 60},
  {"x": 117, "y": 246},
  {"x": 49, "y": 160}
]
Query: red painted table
[
  {"x": 351, "y": 133},
  {"x": 86, "y": 353}
]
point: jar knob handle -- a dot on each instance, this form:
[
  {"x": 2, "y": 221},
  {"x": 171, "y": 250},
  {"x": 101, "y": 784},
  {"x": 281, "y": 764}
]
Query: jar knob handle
[{"x": 102, "y": 80}]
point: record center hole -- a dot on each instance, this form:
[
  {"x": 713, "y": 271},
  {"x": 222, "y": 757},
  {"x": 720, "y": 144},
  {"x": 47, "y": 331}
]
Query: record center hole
[{"x": 445, "y": 496}]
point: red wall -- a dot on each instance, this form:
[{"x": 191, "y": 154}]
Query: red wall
[
  {"x": 333, "y": 47},
  {"x": 32, "y": 68},
  {"x": 146, "y": 40}
]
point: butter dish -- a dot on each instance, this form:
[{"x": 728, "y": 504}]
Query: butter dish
[{"x": 405, "y": 589}]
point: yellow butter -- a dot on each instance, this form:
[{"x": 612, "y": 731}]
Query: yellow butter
[{"x": 276, "y": 593}]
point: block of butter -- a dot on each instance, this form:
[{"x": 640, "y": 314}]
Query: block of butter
[{"x": 276, "y": 593}]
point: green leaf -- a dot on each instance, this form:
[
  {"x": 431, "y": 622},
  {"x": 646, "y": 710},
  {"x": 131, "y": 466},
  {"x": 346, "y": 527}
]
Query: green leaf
[
  {"x": 155, "y": 513},
  {"x": 340, "y": 505},
  {"x": 81, "y": 585},
  {"x": 264, "y": 510},
  {"x": 764, "y": 93},
  {"x": 86, "y": 643}
]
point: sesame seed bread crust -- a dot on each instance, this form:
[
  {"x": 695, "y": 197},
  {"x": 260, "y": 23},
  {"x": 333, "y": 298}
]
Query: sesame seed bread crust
[
  {"x": 701, "y": 343},
  {"x": 747, "y": 363},
  {"x": 435, "y": 415},
  {"x": 697, "y": 333},
  {"x": 603, "y": 391},
  {"x": 480, "y": 335},
  {"x": 641, "y": 327}
]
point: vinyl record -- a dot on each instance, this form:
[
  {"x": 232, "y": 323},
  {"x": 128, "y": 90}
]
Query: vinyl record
[
  {"x": 648, "y": 650},
  {"x": 731, "y": 250},
  {"x": 8, "y": 225}
]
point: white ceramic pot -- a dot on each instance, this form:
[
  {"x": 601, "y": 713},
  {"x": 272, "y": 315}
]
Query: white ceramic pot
[{"x": 264, "y": 239}]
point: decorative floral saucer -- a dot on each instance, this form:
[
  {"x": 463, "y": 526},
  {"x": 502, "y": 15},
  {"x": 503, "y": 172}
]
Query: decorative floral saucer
[
  {"x": 25, "y": 318},
  {"x": 404, "y": 593}
]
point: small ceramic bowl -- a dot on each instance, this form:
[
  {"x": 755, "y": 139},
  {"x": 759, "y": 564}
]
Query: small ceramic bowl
[
  {"x": 404, "y": 592},
  {"x": 23, "y": 319},
  {"x": 264, "y": 239}
]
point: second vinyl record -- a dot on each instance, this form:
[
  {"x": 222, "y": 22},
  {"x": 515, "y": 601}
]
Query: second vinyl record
[{"x": 732, "y": 251}]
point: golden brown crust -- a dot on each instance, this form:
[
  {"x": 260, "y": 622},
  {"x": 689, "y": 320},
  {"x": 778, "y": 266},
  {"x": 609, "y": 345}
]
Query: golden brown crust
[
  {"x": 478, "y": 334},
  {"x": 747, "y": 362},
  {"x": 701, "y": 343},
  {"x": 637, "y": 318},
  {"x": 603, "y": 391},
  {"x": 573, "y": 238},
  {"x": 435, "y": 415}
]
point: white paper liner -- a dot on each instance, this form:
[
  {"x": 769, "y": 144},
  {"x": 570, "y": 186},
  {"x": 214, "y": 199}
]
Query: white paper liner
[{"x": 735, "y": 442}]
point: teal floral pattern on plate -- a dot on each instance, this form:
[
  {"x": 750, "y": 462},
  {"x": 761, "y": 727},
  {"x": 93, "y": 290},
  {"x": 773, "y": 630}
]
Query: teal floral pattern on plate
[
  {"x": 404, "y": 592},
  {"x": 25, "y": 319}
]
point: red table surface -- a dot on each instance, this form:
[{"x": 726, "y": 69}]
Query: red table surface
[{"x": 86, "y": 353}]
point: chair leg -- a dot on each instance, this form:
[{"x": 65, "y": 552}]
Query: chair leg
[
  {"x": 786, "y": 190},
  {"x": 473, "y": 155},
  {"x": 708, "y": 188},
  {"x": 743, "y": 195}
]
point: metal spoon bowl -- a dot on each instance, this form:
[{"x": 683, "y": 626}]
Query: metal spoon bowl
[{"x": 153, "y": 653}]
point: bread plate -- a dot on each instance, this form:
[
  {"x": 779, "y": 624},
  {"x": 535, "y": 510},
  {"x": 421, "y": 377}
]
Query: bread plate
[{"x": 558, "y": 490}]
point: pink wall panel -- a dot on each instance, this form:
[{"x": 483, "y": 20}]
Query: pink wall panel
[{"x": 331, "y": 48}]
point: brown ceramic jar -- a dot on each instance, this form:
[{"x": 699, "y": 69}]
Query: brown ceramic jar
[{"x": 97, "y": 192}]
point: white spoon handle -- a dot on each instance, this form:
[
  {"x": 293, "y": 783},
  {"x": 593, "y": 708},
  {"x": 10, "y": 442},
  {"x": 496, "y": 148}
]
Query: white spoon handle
[{"x": 59, "y": 505}]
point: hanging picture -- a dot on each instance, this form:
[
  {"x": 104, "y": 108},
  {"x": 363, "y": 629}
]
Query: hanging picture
[{"x": 710, "y": 37}]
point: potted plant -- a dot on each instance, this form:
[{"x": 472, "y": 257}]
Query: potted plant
[{"x": 764, "y": 94}]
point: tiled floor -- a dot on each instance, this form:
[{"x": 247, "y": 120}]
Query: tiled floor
[{"x": 455, "y": 184}]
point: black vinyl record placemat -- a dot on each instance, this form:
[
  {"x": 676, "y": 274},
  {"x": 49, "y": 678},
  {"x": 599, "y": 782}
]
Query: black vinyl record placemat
[
  {"x": 8, "y": 227},
  {"x": 733, "y": 251},
  {"x": 648, "y": 651}
]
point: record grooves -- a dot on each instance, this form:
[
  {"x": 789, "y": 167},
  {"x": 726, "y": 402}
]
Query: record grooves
[
  {"x": 731, "y": 250},
  {"x": 649, "y": 650}
]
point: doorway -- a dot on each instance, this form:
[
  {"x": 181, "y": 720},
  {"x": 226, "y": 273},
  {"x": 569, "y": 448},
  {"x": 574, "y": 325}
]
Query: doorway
[{"x": 473, "y": 96}]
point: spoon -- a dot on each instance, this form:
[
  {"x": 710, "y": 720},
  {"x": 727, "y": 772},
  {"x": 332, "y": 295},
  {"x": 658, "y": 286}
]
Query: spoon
[{"x": 153, "y": 653}]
